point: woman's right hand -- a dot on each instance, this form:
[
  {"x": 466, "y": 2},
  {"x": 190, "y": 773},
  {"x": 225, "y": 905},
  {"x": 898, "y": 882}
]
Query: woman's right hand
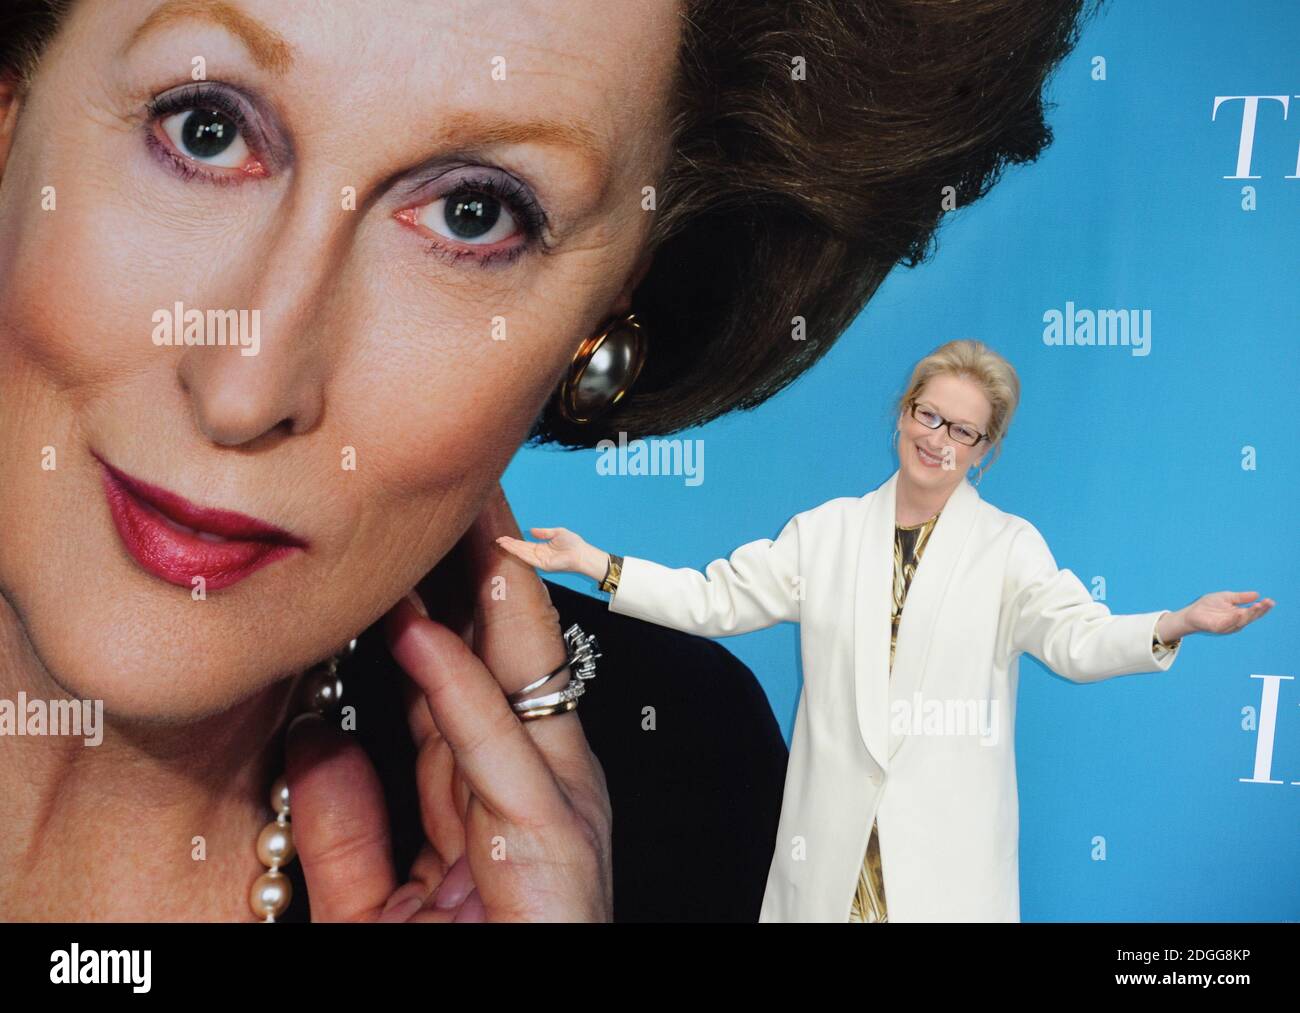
[
  {"x": 563, "y": 551},
  {"x": 516, "y": 815}
]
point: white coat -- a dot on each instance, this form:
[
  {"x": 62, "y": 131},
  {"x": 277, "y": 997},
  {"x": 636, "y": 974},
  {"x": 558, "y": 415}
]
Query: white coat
[{"x": 986, "y": 590}]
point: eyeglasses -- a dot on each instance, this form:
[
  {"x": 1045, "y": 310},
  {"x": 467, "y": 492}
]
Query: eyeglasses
[{"x": 959, "y": 431}]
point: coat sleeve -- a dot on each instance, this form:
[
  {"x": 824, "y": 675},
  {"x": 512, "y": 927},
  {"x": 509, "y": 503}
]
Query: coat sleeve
[
  {"x": 758, "y": 586},
  {"x": 1054, "y": 618}
]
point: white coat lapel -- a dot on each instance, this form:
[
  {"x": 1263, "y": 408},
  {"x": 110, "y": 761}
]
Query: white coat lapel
[
  {"x": 925, "y": 616},
  {"x": 873, "y": 596},
  {"x": 875, "y": 569}
]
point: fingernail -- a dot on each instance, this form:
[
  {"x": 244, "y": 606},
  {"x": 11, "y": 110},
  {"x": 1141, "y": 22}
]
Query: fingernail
[
  {"x": 455, "y": 887},
  {"x": 417, "y": 603},
  {"x": 472, "y": 910},
  {"x": 402, "y": 910}
]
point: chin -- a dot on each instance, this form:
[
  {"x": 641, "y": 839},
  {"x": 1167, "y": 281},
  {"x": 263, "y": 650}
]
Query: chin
[
  {"x": 150, "y": 652},
  {"x": 161, "y": 669}
]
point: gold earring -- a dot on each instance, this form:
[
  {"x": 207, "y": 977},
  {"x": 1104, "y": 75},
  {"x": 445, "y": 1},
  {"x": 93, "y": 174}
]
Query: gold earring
[{"x": 604, "y": 368}]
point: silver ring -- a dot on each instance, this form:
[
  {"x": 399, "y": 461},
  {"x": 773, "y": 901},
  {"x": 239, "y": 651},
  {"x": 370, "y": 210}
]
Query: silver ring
[{"x": 581, "y": 650}]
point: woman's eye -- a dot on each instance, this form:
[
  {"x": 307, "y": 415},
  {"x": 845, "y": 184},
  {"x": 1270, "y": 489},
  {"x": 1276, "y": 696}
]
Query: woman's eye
[
  {"x": 208, "y": 136},
  {"x": 470, "y": 217}
]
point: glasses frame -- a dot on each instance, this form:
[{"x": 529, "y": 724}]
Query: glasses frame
[{"x": 946, "y": 424}]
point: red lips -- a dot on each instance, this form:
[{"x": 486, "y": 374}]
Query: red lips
[{"x": 177, "y": 540}]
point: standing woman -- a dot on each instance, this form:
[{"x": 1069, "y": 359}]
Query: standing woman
[{"x": 882, "y": 819}]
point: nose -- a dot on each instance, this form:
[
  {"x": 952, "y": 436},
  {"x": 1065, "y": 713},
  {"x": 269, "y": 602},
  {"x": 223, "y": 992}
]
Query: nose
[
  {"x": 272, "y": 379},
  {"x": 238, "y": 399}
]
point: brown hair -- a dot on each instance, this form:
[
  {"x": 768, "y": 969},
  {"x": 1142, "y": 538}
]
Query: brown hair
[
  {"x": 26, "y": 28},
  {"x": 975, "y": 361},
  {"x": 791, "y": 197},
  {"x": 812, "y": 144}
]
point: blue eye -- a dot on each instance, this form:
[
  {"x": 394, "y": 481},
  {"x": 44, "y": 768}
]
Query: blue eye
[
  {"x": 470, "y": 216},
  {"x": 208, "y": 136},
  {"x": 206, "y": 127},
  {"x": 488, "y": 218}
]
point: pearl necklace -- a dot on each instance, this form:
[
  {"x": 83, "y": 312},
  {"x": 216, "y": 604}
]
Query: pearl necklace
[{"x": 321, "y": 689}]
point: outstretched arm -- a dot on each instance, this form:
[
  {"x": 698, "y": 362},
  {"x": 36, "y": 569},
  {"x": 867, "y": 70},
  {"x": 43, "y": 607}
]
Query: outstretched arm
[
  {"x": 755, "y": 587},
  {"x": 1054, "y": 618}
]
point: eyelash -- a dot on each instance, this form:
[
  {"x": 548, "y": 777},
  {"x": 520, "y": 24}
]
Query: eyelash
[
  {"x": 525, "y": 211},
  {"x": 187, "y": 100},
  {"x": 531, "y": 218}
]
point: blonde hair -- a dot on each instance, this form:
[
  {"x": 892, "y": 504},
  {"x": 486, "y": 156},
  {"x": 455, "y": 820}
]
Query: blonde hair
[{"x": 975, "y": 361}]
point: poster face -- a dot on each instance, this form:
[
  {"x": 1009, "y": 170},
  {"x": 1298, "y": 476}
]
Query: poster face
[{"x": 615, "y": 460}]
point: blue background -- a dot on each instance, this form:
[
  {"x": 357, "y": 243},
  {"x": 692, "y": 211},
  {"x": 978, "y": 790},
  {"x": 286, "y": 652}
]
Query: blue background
[{"x": 1130, "y": 466}]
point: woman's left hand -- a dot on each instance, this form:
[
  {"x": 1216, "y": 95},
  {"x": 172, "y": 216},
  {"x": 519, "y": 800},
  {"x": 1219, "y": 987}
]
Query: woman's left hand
[{"x": 1218, "y": 612}]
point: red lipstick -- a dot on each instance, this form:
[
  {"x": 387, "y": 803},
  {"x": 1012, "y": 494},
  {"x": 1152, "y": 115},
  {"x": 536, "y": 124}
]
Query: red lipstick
[{"x": 177, "y": 540}]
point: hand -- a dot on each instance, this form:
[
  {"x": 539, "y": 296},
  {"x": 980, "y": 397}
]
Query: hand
[
  {"x": 562, "y": 552},
  {"x": 1218, "y": 612},
  {"x": 516, "y": 815}
]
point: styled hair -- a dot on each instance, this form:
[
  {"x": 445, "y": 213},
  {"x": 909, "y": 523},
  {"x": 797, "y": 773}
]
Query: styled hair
[
  {"x": 789, "y": 198},
  {"x": 813, "y": 143},
  {"x": 975, "y": 361}
]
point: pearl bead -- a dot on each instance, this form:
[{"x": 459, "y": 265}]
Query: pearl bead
[
  {"x": 275, "y": 845},
  {"x": 280, "y": 796},
  {"x": 270, "y": 895},
  {"x": 322, "y": 689}
]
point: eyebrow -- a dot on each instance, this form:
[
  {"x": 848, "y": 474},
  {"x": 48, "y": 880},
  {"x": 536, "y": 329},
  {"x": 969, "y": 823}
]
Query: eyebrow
[
  {"x": 268, "y": 48},
  {"x": 960, "y": 422},
  {"x": 271, "y": 52},
  {"x": 467, "y": 130}
]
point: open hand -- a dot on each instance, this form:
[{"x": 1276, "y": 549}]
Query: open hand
[
  {"x": 1218, "y": 611},
  {"x": 563, "y": 552}
]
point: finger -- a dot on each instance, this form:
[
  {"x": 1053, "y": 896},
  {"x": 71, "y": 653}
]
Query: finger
[
  {"x": 442, "y": 793},
  {"x": 517, "y": 634},
  {"x": 516, "y": 628},
  {"x": 1250, "y": 613},
  {"x": 1238, "y": 597},
  {"x": 444, "y": 594},
  {"x": 500, "y": 763},
  {"x": 407, "y": 900},
  {"x": 428, "y": 870},
  {"x": 436, "y": 783},
  {"x": 455, "y": 887},
  {"x": 527, "y": 551},
  {"x": 340, "y": 822},
  {"x": 472, "y": 910}
]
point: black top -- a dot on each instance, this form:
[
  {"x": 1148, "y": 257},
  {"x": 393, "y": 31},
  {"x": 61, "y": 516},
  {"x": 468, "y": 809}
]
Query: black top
[{"x": 695, "y": 801}]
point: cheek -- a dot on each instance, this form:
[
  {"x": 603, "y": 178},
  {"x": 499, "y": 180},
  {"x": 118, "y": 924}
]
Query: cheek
[
  {"x": 433, "y": 427},
  {"x": 82, "y": 283},
  {"x": 446, "y": 372}
]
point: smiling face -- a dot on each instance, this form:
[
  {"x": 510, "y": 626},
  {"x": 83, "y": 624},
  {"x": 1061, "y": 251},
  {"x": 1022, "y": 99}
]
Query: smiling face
[
  {"x": 415, "y": 211},
  {"x": 932, "y": 458}
]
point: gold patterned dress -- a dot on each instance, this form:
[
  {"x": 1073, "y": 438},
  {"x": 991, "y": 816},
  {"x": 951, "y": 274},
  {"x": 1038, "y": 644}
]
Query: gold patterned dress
[{"x": 909, "y": 544}]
